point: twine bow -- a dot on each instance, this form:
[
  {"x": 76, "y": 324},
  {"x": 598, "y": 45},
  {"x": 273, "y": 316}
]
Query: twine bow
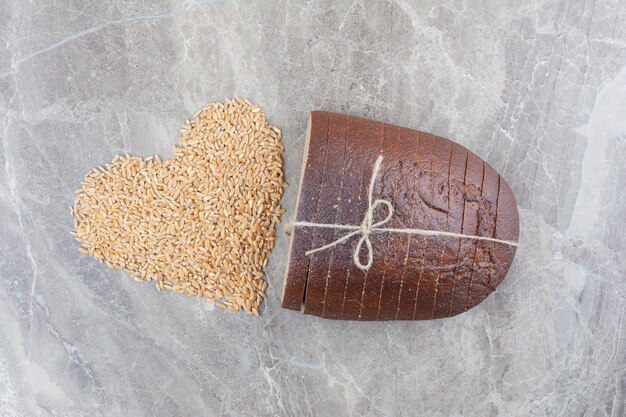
[{"x": 368, "y": 226}]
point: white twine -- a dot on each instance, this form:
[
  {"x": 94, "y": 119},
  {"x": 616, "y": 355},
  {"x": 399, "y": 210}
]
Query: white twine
[{"x": 368, "y": 226}]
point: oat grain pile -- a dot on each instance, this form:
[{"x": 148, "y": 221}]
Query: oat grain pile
[{"x": 201, "y": 223}]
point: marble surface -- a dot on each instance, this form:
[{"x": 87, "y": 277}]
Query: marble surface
[{"x": 538, "y": 89}]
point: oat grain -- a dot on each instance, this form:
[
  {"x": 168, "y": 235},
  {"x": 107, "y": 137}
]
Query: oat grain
[{"x": 201, "y": 223}]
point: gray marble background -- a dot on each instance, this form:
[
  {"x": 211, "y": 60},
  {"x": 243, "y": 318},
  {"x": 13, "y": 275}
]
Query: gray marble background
[{"x": 537, "y": 88}]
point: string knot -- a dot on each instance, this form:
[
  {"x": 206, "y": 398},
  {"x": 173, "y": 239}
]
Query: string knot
[{"x": 366, "y": 228}]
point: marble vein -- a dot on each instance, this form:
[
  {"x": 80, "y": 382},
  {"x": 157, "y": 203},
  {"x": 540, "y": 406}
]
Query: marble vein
[{"x": 160, "y": 16}]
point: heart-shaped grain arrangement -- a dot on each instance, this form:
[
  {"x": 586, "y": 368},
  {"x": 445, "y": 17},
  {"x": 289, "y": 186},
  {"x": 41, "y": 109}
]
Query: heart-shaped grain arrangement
[{"x": 201, "y": 223}]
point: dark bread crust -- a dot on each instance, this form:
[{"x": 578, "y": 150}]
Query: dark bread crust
[{"x": 433, "y": 184}]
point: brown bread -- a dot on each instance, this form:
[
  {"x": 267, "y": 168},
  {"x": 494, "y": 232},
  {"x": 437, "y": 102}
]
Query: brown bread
[{"x": 433, "y": 184}]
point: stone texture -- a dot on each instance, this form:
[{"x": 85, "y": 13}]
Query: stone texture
[{"x": 537, "y": 89}]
